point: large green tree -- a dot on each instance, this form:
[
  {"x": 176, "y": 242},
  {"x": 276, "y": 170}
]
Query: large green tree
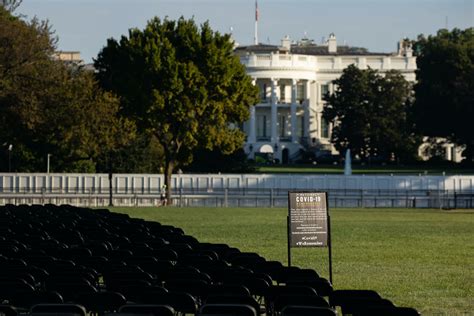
[
  {"x": 371, "y": 114},
  {"x": 47, "y": 107},
  {"x": 181, "y": 83},
  {"x": 445, "y": 87}
]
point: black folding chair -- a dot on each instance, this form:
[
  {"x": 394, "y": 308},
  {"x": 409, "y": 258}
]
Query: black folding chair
[
  {"x": 322, "y": 286},
  {"x": 151, "y": 309},
  {"x": 29, "y": 299},
  {"x": 183, "y": 303},
  {"x": 293, "y": 310},
  {"x": 70, "y": 309},
  {"x": 299, "y": 300},
  {"x": 102, "y": 302},
  {"x": 227, "y": 309},
  {"x": 235, "y": 299},
  {"x": 8, "y": 310},
  {"x": 339, "y": 297}
]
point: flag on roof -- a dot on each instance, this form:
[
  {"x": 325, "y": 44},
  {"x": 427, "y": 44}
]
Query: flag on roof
[{"x": 256, "y": 10}]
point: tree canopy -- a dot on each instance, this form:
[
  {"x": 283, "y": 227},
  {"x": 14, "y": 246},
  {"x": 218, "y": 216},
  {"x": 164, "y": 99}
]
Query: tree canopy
[
  {"x": 444, "y": 104},
  {"x": 181, "y": 83},
  {"x": 371, "y": 114},
  {"x": 10, "y": 5},
  {"x": 47, "y": 107}
]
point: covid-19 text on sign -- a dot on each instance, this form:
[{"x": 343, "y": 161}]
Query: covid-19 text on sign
[{"x": 308, "y": 216}]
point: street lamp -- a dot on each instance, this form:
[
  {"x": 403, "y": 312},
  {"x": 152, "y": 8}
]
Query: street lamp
[
  {"x": 10, "y": 147},
  {"x": 47, "y": 163}
]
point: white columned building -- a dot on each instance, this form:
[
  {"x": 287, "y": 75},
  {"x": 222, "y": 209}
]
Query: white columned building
[{"x": 292, "y": 79}]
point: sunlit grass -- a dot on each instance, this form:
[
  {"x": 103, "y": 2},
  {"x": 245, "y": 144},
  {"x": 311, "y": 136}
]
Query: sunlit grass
[
  {"x": 358, "y": 169},
  {"x": 417, "y": 258}
]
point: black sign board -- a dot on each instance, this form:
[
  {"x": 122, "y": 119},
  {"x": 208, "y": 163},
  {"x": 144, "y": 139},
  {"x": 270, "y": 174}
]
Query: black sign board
[
  {"x": 308, "y": 216},
  {"x": 308, "y": 222}
]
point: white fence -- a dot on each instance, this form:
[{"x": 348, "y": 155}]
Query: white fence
[{"x": 237, "y": 189}]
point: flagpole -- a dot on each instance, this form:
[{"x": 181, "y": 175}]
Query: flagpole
[{"x": 256, "y": 24}]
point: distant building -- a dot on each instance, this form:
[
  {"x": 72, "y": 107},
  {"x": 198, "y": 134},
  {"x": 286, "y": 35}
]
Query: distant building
[
  {"x": 292, "y": 79},
  {"x": 72, "y": 57}
]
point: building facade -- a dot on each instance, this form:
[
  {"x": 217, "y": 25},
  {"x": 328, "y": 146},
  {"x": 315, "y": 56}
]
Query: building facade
[{"x": 292, "y": 79}]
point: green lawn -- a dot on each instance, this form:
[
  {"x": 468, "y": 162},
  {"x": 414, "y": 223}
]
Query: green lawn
[
  {"x": 357, "y": 169},
  {"x": 417, "y": 258}
]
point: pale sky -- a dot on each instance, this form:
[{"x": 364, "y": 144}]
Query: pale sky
[{"x": 85, "y": 25}]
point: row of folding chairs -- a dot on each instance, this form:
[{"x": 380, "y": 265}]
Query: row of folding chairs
[{"x": 102, "y": 260}]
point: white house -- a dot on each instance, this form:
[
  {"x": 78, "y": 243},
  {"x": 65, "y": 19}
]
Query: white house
[{"x": 292, "y": 79}]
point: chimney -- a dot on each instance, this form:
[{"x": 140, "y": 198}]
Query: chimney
[
  {"x": 286, "y": 42},
  {"x": 332, "y": 44},
  {"x": 405, "y": 48}
]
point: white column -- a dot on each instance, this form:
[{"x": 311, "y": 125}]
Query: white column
[
  {"x": 306, "y": 105},
  {"x": 448, "y": 154},
  {"x": 294, "y": 137},
  {"x": 252, "y": 128},
  {"x": 319, "y": 116},
  {"x": 252, "y": 137},
  {"x": 274, "y": 118}
]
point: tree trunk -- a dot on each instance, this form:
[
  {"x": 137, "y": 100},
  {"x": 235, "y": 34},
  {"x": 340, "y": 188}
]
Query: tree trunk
[{"x": 168, "y": 173}]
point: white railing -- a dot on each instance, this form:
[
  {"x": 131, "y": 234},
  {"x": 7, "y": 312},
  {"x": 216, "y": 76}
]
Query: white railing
[
  {"x": 279, "y": 61},
  {"x": 314, "y": 63},
  {"x": 243, "y": 189}
]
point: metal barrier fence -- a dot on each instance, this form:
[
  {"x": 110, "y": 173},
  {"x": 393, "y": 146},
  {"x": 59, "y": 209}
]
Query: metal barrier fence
[{"x": 243, "y": 197}]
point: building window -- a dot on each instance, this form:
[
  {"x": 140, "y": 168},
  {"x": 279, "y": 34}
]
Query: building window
[
  {"x": 264, "y": 92},
  {"x": 262, "y": 126},
  {"x": 300, "y": 95},
  {"x": 282, "y": 93},
  {"x": 282, "y": 126},
  {"x": 301, "y": 131},
  {"x": 324, "y": 90},
  {"x": 324, "y": 128}
]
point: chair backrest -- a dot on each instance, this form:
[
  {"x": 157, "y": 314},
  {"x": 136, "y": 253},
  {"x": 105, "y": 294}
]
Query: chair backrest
[
  {"x": 8, "y": 310},
  {"x": 353, "y": 305},
  {"x": 181, "y": 302},
  {"x": 301, "y": 300},
  {"x": 150, "y": 309},
  {"x": 278, "y": 290},
  {"x": 102, "y": 302},
  {"x": 195, "y": 287},
  {"x": 29, "y": 299},
  {"x": 70, "y": 309},
  {"x": 234, "y": 299},
  {"x": 257, "y": 286},
  {"x": 230, "y": 289},
  {"x": 189, "y": 275},
  {"x": 18, "y": 285},
  {"x": 69, "y": 291},
  {"x": 135, "y": 292},
  {"x": 294, "y": 310},
  {"x": 227, "y": 309},
  {"x": 322, "y": 286},
  {"x": 338, "y": 297}
]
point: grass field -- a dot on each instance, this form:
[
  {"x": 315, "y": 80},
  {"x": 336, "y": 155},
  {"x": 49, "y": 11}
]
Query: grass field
[
  {"x": 358, "y": 169},
  {"x": 417, "y": 258}
]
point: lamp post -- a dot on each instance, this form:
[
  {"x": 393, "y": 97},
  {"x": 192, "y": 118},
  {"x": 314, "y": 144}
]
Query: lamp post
[
  {"x": 10, "y": 147},
  {"x": 47, "y": 163}
]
